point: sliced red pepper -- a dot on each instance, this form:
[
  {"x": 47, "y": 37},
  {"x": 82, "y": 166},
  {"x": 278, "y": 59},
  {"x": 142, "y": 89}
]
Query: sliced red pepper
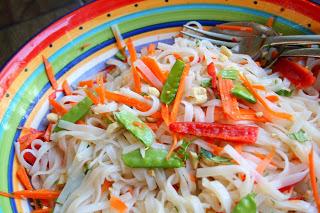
[
  {"x": 212, "y": 72},
  {"x": 300, "y": 76},
  {"x": 226, "y": 132}
]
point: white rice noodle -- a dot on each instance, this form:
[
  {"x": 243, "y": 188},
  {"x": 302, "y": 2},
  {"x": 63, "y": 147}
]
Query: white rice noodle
[
  {"x": 148, "y": 73},
  {"x": 154, "y": 107}
]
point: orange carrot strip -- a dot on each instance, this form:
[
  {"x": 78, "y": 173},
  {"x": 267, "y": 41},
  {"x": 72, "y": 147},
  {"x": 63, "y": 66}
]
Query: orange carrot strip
[
  {"x": 142, "y": 106},
  {"x": 243, "y": 62},
  {"x": 50, "y": 73},
  {"x": 58, "y": 108},
  {"x": 173, "y": 146},
  {"x": 118, "y": 204},
  {"x": 229, "y": 102},
  {"x": 177, "y": 56},
  {"x": 238, "y": 148},
  {"x": 151, "y": 49},
  {"x": 66, "y": 88},
  {"x": 235, "y": 28},
  {"x": 8, "y": 195},
  {"x": 37, "y": 194},
  {"x": 270, "y": 21},
  {"x": 165, "y": 114},
  {"x": 245, "y": 114},
  {"x": 313, "y": 178},
  {"x": 133, "y": 58},
  {"x": 80, "y": 122},
  {"x": 265, "y": 162},
  {"x": 177, "y": 100},
  {"x": 259, "y": 87},
  {"x": 261, "y": 100},
  {"x": 23, "y": 178},
  {"x": 192, "y": 177},
  {"x": 47, "y": 210},
  {"x": 100, "y": 89},
  {"x": 154, "y": 67},
  {"x": 88, "y": 83},
  {"x": 93, "y": 98},
  {"x": 272, "y": 98}
]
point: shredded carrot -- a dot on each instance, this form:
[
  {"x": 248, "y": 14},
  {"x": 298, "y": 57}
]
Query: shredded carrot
[
  {"x": 37, "y": 194},
  {"x": 235, "y": 28},
  {"x": 265, "y": 162},
  {"x": 173, "y": 145},
  {"x": 90, "y": 95},
  {"x": 154, "y": 67},
  {"x": 215, "y": 149},
  {"x": 192, "y": 177},
  {"x": 229, "y": 102},
  {"x": 258, "y": 63},
  {"x": 238, "y": 148},
  {"x": 50, "y": 73},
  {"x": 243, "y": 62},
  {"x": 272, "y": 98},
  {"x": 259, "y": 87},
  {"x": 177, "y": 100},
  {"x": 58, "y": 108},
  {"x": 261, "y": 100},
  {"x": 133, "y": 58},
  {"x": 100, "y": 89},
  {"x": 47, "y": 210},
  {"x": 88, "y": 83},
  {"x": 313, "y": 179},
  {"x": 8, "y": 195},
  {"x": 242, "y": 176},
  {"x": 26, "y": 140},
  {"x": 177, "y": 56},
  {"x": 165, "y": 114},
  {"x": 80, "y": 122},
  {"x": 47, "y": 133},
  {"x": 23, "y": 178},
  {"x": 66, "y": 88},
  {"x": 151, "y": 49},
  {"x": 119, "y": 40},
  {"x": 106, "y": 185},
  {"x": 140, "y": 105},
  {"x": 118, "y": 204},
  {"x": 270, "y": 21},
  {"x": 191, "y": 58}
]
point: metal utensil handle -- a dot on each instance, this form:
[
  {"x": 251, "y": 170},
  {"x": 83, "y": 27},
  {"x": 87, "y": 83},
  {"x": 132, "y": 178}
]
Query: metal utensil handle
[
  {"x": 307, "y": 52},
  {"x": 292, "y": 40}
]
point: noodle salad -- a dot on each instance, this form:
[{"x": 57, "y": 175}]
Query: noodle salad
[{"x": 187, "y": 127}]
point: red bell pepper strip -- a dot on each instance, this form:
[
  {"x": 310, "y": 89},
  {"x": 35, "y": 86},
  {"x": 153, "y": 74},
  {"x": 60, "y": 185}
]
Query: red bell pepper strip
[
  {"x": 212, "y": 72},
  {"x": 300, "y": 76},
  {"x": 227, "y": 132}
]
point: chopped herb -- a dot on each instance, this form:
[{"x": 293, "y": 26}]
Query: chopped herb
[
  {"x": 206, "y": 83},
  {"x": 182, "y": 151},
  {"x": 299, "y": 136},
  {"x": 211, "y": 158},
  {"x": 86, "y": 168},
  {"x": 284, "y": 92}
]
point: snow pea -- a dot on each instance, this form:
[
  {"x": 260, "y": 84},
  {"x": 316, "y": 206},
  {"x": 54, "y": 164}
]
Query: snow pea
[
  {"x": 76, "y": 112},
  {"x": 154, "y": 158},
  {"x": 212, "y": 159},
  {"x": 229, "y": 74},
  {"x": 241, "y": 92},
  {"x": 247, "y": 204},
  {"x": 171, "y": 85},
  {"x": 284, "y": 92},
  {"x": 135, "y": 126}
]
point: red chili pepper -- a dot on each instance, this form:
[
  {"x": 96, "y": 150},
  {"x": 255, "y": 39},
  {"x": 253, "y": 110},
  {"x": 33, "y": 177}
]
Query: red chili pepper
[
  {"x": 212, "y": 72},
  {"x": 300, "y": 76},
  {"x": 296, "y": 198},
  {"x": 227, "y": 132}
]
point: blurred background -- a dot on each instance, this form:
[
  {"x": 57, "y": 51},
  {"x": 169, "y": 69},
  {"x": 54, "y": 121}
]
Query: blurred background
[{"x": 22, "y": 19}]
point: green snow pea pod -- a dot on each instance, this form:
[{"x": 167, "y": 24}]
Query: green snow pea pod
[
  {"x": 154, "y": 158},
  {"x": 76, "y": 112},
  {"x": 137, "y": 127},
  {"x": 246, "y": 205},
  {"x": 171, "y": 85},
  {"x": 229, "y": 74},
  {"x": 241, "y": 92}
]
